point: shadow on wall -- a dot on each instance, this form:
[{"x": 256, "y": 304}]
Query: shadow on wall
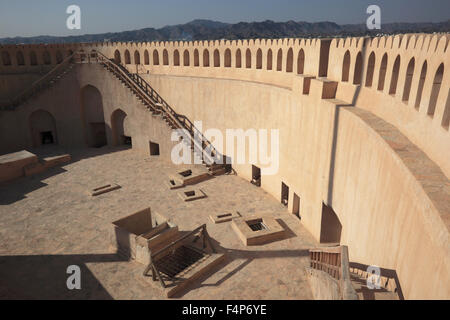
[
  {"x": 93, "y": 117},
  {"x": 388, "y": 273},
  {"x": 331, "y": 227}
]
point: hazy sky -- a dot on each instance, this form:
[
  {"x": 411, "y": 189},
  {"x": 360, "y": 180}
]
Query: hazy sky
[{"x": 48, "y": 17}]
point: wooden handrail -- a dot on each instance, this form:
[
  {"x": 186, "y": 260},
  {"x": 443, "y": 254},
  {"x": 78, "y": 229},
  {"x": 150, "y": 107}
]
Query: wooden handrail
[
  {"x": 146, "y": 91},
  {"x": 335, "y": 262}
]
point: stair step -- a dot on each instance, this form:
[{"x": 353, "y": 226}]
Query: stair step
[{"x": 364, "y": 293}]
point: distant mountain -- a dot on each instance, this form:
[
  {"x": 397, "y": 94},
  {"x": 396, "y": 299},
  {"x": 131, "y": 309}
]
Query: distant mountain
[{"x": 213, "y": 30}]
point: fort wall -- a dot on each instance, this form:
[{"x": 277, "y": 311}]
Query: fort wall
[{"x": 375, "y": 151}]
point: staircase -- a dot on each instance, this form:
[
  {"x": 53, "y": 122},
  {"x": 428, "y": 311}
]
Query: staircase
[
  {"x": 388, "y": 287},
  {"x": 351, "y": 277},
  {"x": 202, "y": 149},
  {"x": 45, "y": 82}
]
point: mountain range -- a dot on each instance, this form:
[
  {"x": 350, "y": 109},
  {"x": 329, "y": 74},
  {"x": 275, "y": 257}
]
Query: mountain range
[{"x": 214, "y": 30}]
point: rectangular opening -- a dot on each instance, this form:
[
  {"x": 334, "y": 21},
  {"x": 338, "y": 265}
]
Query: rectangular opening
[
  {"x": 224, "y": 215},
  {"x": 284, "y": 194},
  {"x": 256, "y": 176},
  {"x": 154, "y": 149},
  {"x": 102, "y": 187},
  {"x": 186, "y": 173},
  {"x": 105, "y": 189},
  {"x": 189, "y": 193},
  {"x": 296, "y": 206},
  {"x": 47, "y": 137},
  {"x": 256, "y": 225},
  {"x": 127, "y": 140},
  {"x": 98, "y": 135}
]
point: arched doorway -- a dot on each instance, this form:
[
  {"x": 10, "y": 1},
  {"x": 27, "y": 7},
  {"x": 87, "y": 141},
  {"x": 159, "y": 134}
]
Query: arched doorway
[
  {"x": 120, "y": 129},
  {"x": 42, "y": 128},
  {"x": 93, "y": 116}
]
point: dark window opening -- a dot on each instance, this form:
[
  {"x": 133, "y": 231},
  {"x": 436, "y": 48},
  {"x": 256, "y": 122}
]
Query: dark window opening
[
  {"x": 284, "y": 194},
  {"x": 154, "y": 149},
  {"x": 256, "y": 176},
  {"x": 189, "y": 193},
  {"x": 47, "y": 137},
  {"x": 186, "y": 173}
]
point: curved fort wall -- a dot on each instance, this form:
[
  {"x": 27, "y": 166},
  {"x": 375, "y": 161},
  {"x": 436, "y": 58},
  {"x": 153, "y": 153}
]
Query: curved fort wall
[{"x": 375, "y": 151}]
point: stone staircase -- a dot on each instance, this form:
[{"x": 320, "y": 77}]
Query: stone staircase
[
  {"x": 388, "y": 288},
  {"x": 43, "y": 83},
  {"x": 332, "y": 276},
  {"x": 160, "y": 108}
]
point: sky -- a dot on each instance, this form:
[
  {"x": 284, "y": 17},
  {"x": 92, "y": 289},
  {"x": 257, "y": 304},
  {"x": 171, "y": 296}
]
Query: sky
[{"x": 48, "y": 17}]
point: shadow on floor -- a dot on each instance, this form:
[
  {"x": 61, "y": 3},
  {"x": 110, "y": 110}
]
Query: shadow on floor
[
  {"x": 45, "y": 277},
  {"x": 16, "y": 190},
  {"x": 247, "y": 256}
]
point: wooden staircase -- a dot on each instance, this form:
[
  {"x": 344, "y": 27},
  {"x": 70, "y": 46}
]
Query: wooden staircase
[
  {"x": 160, "y": 108},
  {"x": 352, "y": 277}
]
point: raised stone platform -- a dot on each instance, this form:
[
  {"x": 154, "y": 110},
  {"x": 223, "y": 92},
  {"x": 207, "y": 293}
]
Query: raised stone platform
[{"x": 12, "y": 165}]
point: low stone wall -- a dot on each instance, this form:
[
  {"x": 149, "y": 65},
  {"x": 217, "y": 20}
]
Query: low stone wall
[{"x": 323, "y": 286}]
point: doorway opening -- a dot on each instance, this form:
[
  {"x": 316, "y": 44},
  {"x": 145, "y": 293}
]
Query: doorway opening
[
  {"x": 127, "y": 140},
  {"x": 256, "y": 176},
  {"x": 98, "y": 134},
  {"x": 296, "y": 206},
  {"x": 154, "y": 149},
  {"x": 284, "y": 194}
]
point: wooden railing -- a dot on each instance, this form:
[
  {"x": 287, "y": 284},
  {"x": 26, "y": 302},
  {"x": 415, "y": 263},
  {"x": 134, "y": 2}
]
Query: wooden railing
[
  {"x": 335, "y": 262},
  {"x": 38, "y": 85},
  {"x": 158, "y": 104}
]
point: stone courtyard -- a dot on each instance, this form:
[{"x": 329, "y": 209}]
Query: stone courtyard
[{"x": 50, "y": 221}]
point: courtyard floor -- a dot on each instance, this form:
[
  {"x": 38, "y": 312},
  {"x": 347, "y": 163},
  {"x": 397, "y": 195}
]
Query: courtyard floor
[{"x": 50, "y": 221}]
